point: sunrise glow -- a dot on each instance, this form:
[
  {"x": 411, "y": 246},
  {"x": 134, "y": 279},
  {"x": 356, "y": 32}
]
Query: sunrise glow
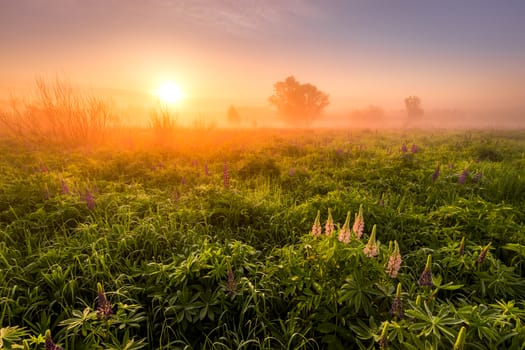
[{"x": 169, "y": 92}]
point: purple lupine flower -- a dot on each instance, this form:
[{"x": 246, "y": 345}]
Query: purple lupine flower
[
  {"x": 226, "y": 176},
  {"x": 404, "y": 148},
  {"x": 104, "y": 310},
  {"x": 461, "y": 249},
  {"x": 396, "y": 310},
  {"x": 372, "y": 248},
  {"x": 483, "y": 254},
  {"x": 231, "y": 284},
  {"x": 63, "y": 187},
  {"x": 414, "y": 148},
  {"x": 50, "y": 344},
  {"x": 89, "y": 198},
  {"x": 359, "y": 223},
  {"x": 316, "y": 227},
  {"x": 291, "y": 172},
  {"x": 436, "y": 174},
  {"x": 345, "y": 234},
  {"x": 425, "y": 279},
  {"x": 463, "y": 176},
  {"x": 329, "y": 226}
]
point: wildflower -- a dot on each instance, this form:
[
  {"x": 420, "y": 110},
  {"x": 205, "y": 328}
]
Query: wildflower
[
  {"x": 396, "y": 310},
  {"x": 291, "y": 172},
  {"x": 461, "y": 249},
  {"x": 414, "y": 148},
  {"x": 425, "y": 279},
  {"x": 316, "y": 228},
  {"x": 226, "y": 175},
  {"x": 394, "y": 262},
  {"x": 359, "y": 223},
  {"x": 483, "y": 254},
  {"x": 463, "y": 176},
  {"x": 450, "y": 165},
  {"x": 329, "y": 226},
  {"x": 382, "y": 201},
  {"x": 460, "y": 340},
  {"x": 183, "y": 181},
  {"x": 345, "y": 233},
  {"x": 371, "y": 248},
  {"x": 89, "y": 198},
  {"x": 478, "y": 176},
  {"x": 436, "y": 174},
  {"x": 43, "y": 168},
  {"x": 231, "y": 284},
  {"x": 206, "y": 170},
  {"x": 383, "y": 340},
  {"x": 63, "y": 186},
  {"x": 404, "y": 148},
  {"x": 104, "y": 310},
  {"x": 50, "y": 344}
]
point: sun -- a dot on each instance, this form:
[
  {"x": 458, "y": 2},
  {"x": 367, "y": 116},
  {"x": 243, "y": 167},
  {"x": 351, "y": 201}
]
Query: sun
[{"x": 169, "y": 92}]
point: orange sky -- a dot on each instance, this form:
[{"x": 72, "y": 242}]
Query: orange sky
[{"x": 452, "y": 54}]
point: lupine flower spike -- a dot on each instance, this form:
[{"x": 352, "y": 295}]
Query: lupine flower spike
[
  {"x": 383, "y": 339},
  {"x": 226, "y": 175},
  {"x": 436, "y": 174},
  {"x": 425, "y": 279},
  {"x": 483, "y": 254},
  {"x": 463, "y": 177},
  {"x": 89, "y": 198},
  {"x": 460, "y": 340},
  {"x": 104, "y": 310},
  {"x": 394, "y": 262},
  {"x": 345, "y": 233},
  {"x": 371, "y": 249},
  {"x": 329, "y": 226},
  {"x": 231, "y": 284},
  {"x": 316, "y": 228},
  {"x": 461, "y": 249},
  {"x": 50, "y": 344},
  {"x": 397, "y": 305},
  {"x": 359, "y": 223}
]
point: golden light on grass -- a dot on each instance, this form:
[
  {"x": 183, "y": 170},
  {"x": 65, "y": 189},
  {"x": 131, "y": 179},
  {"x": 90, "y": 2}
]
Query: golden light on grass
[{"x": 169, "y": 92}]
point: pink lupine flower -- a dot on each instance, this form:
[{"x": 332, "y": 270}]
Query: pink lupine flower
[
  {"x": 316, "y": 228},
  {"x": 359, "y": 223},
  {"x": 291, "y": 172},
  {"x": 345, "y": 233},
  {"x": 371, "y": 249},
  {"x": 231, "y": 284},
  {"x": 104, "y": 310},
  {"x": 394, "y": 262},
  {"x": 329, "y": 226}
]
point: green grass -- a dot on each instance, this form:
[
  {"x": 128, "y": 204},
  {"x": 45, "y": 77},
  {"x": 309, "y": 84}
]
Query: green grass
[{"x": 189, "y": 263}]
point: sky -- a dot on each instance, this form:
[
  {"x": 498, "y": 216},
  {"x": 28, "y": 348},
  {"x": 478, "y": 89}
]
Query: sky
[{"x": 453, "y": 54}]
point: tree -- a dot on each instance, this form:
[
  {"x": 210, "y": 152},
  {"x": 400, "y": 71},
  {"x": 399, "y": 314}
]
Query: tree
[
  {"x": 413, "y": 107},
  {"x": 233, "y": 116},
  {"x": 298, "y": 103}
]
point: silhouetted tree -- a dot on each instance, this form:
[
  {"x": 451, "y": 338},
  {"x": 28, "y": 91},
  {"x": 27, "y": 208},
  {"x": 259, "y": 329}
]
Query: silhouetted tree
[
  {"x": 413, "y": 107},
  {"x": 298, "y": 103},
  {"x": 233, "y": 116}
]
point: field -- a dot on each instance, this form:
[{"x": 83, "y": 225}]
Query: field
[{"x": 254, "y": 239}]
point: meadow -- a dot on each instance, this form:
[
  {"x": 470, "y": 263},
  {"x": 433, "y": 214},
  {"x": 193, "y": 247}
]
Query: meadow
[{"x": 265, "y": 239}]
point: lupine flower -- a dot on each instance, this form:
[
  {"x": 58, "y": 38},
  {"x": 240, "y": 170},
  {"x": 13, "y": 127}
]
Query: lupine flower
[
  {"x": 478, "y": 176},
  {"x": 89, "y": 198},
  {"x": 291, "y": 172},
  {"x": 329, "y": 226},
  {"x": 50, "y": 344},
  {"x": 104, "y": 310},
  {"x": 414, "y": 148},
  {"x": 450, "y": 165},
  {"x": 226, "y": 175},
  {"x": 463, "y": 176},
  {"x": 43, "y": 168},
  {"x": 425, "y": 279},
  {"x": 394, "y": 262},
  {"x": 371, "y": 249},
  {"x": 206, "y": 170},
  {"x": 316, "y": 228},
  {"x": 359, "y": 223},
  {"x": 461, "y": 249},
  {"x": 436, "y": 174},
  {"x": 460, "y": 340},
  {"x": 382, "y": 201},
  {"x": 404, "y": 148},
  {"x": 345, "y": 233},
  {"x": 383, "y": 339},
  {"x": 396, "y": 310},
  {"x": 483, "y": 254},
  {"x": 63, "y": 186},
  {"x": 183, "y": 181},
  {"x": 231, "y": 284}
]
